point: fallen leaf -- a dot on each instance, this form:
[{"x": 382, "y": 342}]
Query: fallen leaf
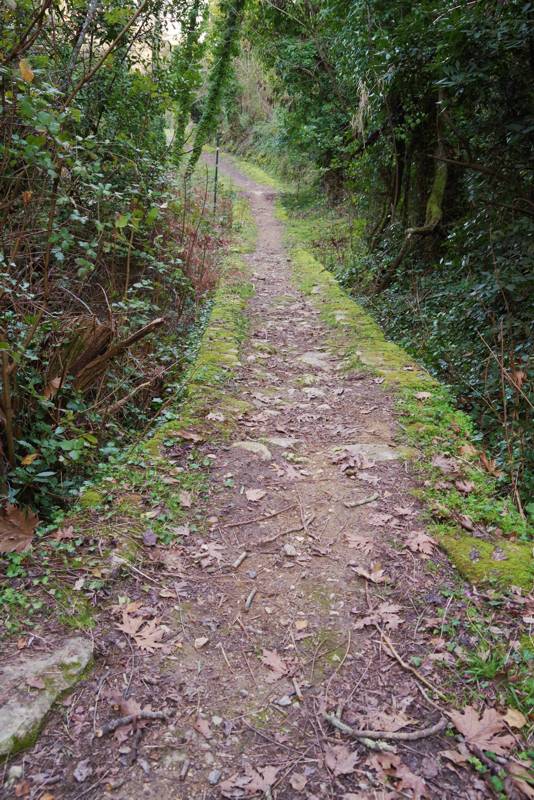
[
  {"x": 446, "y": 464},
  {"x": 515, "y": 718},
  {"x": 16, "y": 529},
  {"x": 376, "y": 575},
  {"x": 490, "y": 465},
  {"x": 255, "y": 495},
  {"x": 29, "y": 459},
  {"x": 340, "y": 760},
  {"x": 298, "y": 781},
  {"x": 385, "y": 614},
  {"x": 52, "y": 388},
  {"x": 423, "y": 395},
  {"x": 64, "y": 533},
  {"x": 277, "y": 665},
  {"x": 467, "y": 450},
  {"x": 363, "y": 543},
  {"x": 482, "y": 730},
  {"x": 301, "y": 624},
  {"x": 409, "y": 780},
  {"x": 190, "y": 436},
  {"x": 185, "y": 499},
  {"x": 382, "y": 721},
  {"x": 203, "y": 727},
  {"x": 419, "y": 542},
  {"x": 454, "y": 756},
  {"x": 26, "y": 72},
  {"x": 464, "y": 486},
  {"x": 146, "y": 635}
]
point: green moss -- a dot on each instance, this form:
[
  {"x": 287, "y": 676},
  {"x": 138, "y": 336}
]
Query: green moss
[
  {"x": 430, "y": 425},
  {"x": 91, "y": 498}
]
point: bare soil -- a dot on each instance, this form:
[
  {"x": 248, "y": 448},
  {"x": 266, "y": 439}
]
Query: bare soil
[{"x": 256, "y": 654}]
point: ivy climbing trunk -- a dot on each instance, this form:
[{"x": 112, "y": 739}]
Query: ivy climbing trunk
[
  {"x": 187, "y": 65},
  {"x": 225, "y": 49}
]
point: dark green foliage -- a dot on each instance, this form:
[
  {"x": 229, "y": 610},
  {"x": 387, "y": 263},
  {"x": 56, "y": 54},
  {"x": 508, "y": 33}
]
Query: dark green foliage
[
  {"x": 421, "y": 114},
  {"x": 96, "y": 244},
  {"x": 225, "y": 48}
]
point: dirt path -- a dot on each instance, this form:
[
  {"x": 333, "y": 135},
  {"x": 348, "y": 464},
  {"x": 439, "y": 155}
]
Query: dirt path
[{"x": 267, "y": 643}]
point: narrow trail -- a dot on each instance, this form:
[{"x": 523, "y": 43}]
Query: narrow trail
[
  {"x": 265, "y": 644},
  {"x": 256, "y": 690}
]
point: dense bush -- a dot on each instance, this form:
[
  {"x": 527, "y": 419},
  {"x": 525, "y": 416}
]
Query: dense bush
[
  {"x": 103, "y": 257},
  {"x": 421, "y": 114}
]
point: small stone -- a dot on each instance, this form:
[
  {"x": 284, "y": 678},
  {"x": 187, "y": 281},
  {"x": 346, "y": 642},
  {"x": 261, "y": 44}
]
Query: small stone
[
  {"x": 257, "y": 448},
  {"x": 214, "y": 777},
  {"x": 13, "y": 774},
  {"x": 201, "y": 642},
  {"x": 216, "y": 721},
  {"x": 290, "y": 550},
  {"x": 83, "y": 770},
  {"x": 283, "y": 701},
  {"x": 252, "y": 573}
]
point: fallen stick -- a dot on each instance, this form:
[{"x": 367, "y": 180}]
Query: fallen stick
[
  {"x": 408, "y": 667},
  {"x": 250, "y": 598},
  {"x": 398, "y": 736},
  {"x": 282, "y": 533},
  {"x": 109, "y": 727},
  {"x": 258, "y": 519}
]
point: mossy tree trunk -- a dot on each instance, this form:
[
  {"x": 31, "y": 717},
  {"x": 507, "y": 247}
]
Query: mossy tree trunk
[
  {"x": 187, "y": 71},
  {"x": 225, "y": 48}
]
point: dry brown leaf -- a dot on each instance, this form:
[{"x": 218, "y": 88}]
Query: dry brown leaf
[
  {"x": 29, "y": 459},
  {"x": 26, "y": 72},
  {"x": 454, "y": 756},
  {"x": 185, "y": 499},
  {"x": 340, "y": 760},
  {"x": 272, "y": 660},
  {"x": 382, "y": 721},
  {"x": 376, "y": 575},
  {"x": 298, "y": 782},
  {"x": 521, "y": 778},
  {"x": 464, "y": 486},
  {"x": 251, "y": 782},
  {"x": 16, "y": 529},
  {"x": 515, "y": 718},
  {"x": 255, "y": 495},
  {"x": 490, "y": 465},
  {"x": 385, "y": 614},
  {"x": 482, "y": 730},
  {"x": 409, "y": 780},
  {"x": 52, "y": 388},
  {"x": 423, "y": 395},
  {"x": 364, "y": 543},
  {"x": 146, "y": 635},
  {"x": 203, "y": 727},
  {"x": 419, "y": 542},
  {"x": 190, "y": 436},
  {"x": 446, "y": 464},
  {"x": 467, "y": 450}
]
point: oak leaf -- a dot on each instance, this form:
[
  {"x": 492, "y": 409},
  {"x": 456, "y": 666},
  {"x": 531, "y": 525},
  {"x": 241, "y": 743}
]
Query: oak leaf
[
  {"x": 385, "y": 614},
  {"x": 483, "y": 730},
  {"x": 277, "y": 665},
  {"x": 419, "y": 542},
  {"x": 340, "y": 760},
  {"x": 16, "y": 529}
]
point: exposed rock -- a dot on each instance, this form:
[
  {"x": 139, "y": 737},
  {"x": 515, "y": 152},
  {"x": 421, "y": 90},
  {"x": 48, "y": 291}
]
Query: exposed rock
[
  {"x": 30, "y": 685},
  {"x": 282, "y": 441},
  {"x": 315, "y": 359},
  {"x": 374, "y": 452},
  {"x": 257, "y": 448}
]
